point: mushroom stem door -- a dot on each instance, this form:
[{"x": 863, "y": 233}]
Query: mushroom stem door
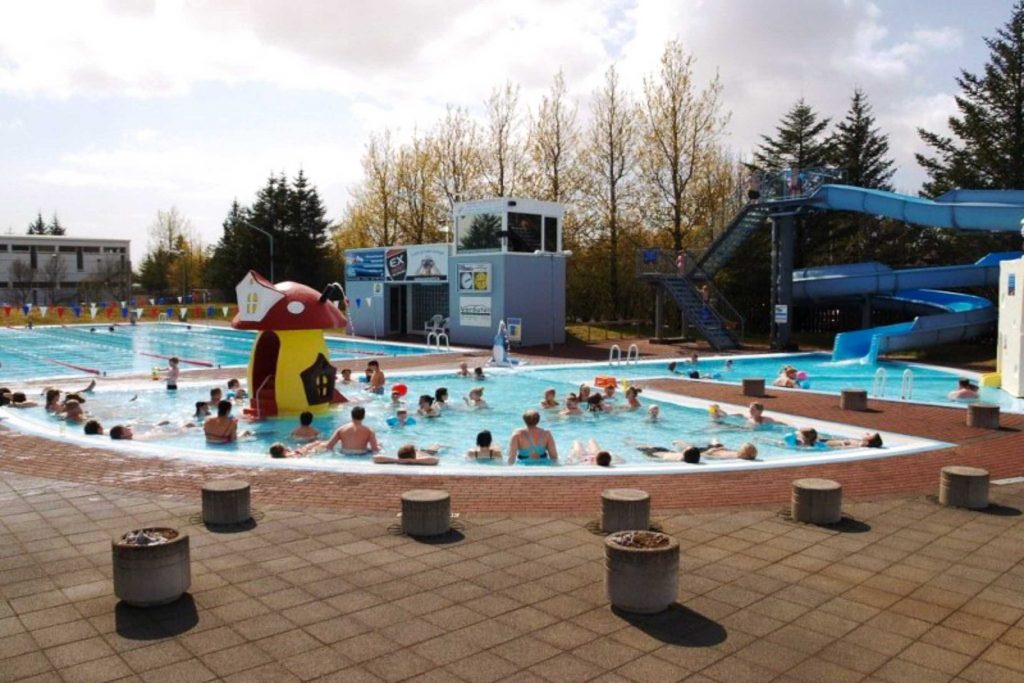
[{"x": 262, "y": 366}]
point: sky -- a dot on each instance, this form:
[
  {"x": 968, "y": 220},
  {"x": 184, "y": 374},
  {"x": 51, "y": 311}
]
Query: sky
[{"x": 113, "y": 110}]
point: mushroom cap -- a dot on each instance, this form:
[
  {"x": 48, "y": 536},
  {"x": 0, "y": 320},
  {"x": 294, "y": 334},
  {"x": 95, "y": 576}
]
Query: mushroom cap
[{"x": 299, "y": 309}]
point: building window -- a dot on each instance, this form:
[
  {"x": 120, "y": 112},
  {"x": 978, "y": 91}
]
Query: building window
[
  {"x": 19, "y": 247},
  {"x": 91, "y": 250},
  {"x": 33, "y": 258},
  {"x": 524, "y": 233},
  {"x": 478, "y": 232},
  {"x": 65, "y": 249},
  {"x": 550, "y": 234},
  {"x": 252, "y": 302},
  {"x": 79, "y": 259},
  {"x": 3, "y": 247}
]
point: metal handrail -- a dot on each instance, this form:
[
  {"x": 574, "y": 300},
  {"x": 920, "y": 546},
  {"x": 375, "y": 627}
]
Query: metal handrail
[
  {"x": 615, "y": 355},
  {"x": 633, "y": 354},
  {"x": 878, "y": 386},
  {"x": 732, "y": 314},
  {"x": 907, "y": 385},
  {"x": 256, "y": 397}
]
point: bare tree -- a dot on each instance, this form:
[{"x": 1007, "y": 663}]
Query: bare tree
[
  {"x": 682, "y": 127},
  {"x": 504, "y": 150},
  {"x": 169, "y": 228},
  {"x": 553, "y": 144},
  {"x": 379, "y": 196},
  {"x": 610, "y": 159},
  {"x": 456, "y": 146},
  {"x": 55, "y": 270},
  {"x": 23, "y": 278},
  {"x": 114, "y": 276}
]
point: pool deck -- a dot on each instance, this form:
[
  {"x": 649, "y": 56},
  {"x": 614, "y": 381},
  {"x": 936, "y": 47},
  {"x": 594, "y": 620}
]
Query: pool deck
[{"x": 322, "y": 588}]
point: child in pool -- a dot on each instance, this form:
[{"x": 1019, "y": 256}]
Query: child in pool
[
  {"x": 572, "y": 405},
  {"x": 305, "y": 432},
  {"x": 549, "y": 402},
  {"x": 475, "y": 398}
]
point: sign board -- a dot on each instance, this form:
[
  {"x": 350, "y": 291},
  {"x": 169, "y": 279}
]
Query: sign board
[
  {"x": 781, "y": 314},
  {"x": 365, "y": 264},
  {"x": 515, "y": 329},
  {"x": 417, "y": 263},
  {"x": 378, "y": 288},
  {"x": 475, "y": 311},
  {"x": 1011, "y": 285},
  {"x": 474, "y": 278}
]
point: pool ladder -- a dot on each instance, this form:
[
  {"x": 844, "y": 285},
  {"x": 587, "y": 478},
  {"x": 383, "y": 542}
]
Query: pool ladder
[
  {"x": 615, "y": 355},
  {"x": 878, "y": 388},
  {"x": 907, "y": 385}
]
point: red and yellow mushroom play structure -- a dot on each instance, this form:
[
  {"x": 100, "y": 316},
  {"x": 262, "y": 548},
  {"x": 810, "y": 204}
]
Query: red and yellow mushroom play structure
[{"x": 289, "y": 368}]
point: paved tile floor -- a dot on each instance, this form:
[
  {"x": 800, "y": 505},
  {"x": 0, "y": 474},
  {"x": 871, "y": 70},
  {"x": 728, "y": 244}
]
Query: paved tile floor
[{"x": 904, "y": 590}]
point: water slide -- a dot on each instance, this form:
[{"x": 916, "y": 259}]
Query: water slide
[{"x": 955, "y": 316}]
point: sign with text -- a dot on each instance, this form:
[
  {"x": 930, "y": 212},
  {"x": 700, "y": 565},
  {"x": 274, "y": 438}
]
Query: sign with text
[
  {"x": 474, "y": 277},
  {"x": 781, "y": 314},
  {"x": 417, "y": 263},
  {"x": 365, "y": 264},
  {"x": 475, "y": 311}
]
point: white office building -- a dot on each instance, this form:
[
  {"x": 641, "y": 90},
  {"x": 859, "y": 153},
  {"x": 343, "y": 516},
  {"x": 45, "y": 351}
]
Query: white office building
[{"x": 48, "y": 269}]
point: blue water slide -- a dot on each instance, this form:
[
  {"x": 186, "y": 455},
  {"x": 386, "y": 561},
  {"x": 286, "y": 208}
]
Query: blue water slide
[
  {"x": 1000, "y": 210},
  {"x": 959, "y": 316}
]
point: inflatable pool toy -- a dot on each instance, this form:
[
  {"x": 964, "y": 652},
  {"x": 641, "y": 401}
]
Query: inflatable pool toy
[
  {"x": 400, "y": 389},
  {"x": 155, "y": 373},
  {"x": 791, "y": 441},
  {"x": 289, "y": 368},
  {"x": 393, "y": 421},
  {"x": 603, "y": 381},
  {"x": 801, "y": 376},
  {"x": 500, "y": 349}
]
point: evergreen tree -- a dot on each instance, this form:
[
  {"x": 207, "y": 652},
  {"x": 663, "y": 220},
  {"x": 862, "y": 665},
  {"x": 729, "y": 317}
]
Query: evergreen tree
[
  {"x": 153, "y": 271},
  {"x": 294, "y": 214},
  {"x": 38, "y": 226},
  {"x": 55, "y": 227},
  {"x": 986, "y": 149},
  {"x": 859, "y": 149},
  {"x": 799, "y": 141}
]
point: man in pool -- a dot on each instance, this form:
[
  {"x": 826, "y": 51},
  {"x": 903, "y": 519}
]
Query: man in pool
[
  {"x": 756, "y": 416},
  {"x": 966, "y": 390},
  {"x": 215, "y": 396},
  {"x": 407, "y": 455},
  {"x": 121, "y": 433},
  {"x": 305, "y": 431},
  {"x": 355, "y": 437},
  {"x": 377, "y": 378},
  {"x": 869, "y": 440},
  {"x": 93, "y": 428}
]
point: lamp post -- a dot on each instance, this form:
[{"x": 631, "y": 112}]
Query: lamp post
[{"x": 269, "y": 237}]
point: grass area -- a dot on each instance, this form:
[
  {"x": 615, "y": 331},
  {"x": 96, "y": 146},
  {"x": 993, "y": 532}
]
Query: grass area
[{"x": 586, "y": 333}]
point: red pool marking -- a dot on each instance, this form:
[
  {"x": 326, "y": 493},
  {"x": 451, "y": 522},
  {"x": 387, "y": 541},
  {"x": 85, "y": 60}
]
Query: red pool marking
[
  {"x": 201, "y": 363},
  {"x": 80, "y": 368}
]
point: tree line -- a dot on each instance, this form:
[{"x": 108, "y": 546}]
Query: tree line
[{"x": 644, "y": 168}]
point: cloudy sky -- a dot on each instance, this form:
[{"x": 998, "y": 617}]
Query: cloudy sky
[{"x": 112, "y": 110}]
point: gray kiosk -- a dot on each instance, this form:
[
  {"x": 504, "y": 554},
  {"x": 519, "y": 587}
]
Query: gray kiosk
[{"x": 504, "y": 263}]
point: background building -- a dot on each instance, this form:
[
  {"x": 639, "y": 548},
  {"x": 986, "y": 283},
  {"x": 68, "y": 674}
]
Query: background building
[{"x": 46, "y": 269}]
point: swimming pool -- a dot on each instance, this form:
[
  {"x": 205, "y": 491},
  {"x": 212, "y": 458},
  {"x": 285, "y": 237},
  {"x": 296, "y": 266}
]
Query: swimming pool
[
  {"x": 509, "y": 393},
  {"x": 926, "y": 383},
  {"x": 61, "y": 351}
]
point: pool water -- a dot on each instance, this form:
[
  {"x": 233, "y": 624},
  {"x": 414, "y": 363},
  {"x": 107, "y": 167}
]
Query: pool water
[
  {"x": 508, "y": 394},
  {"x": 92, "y": 349},
  {"x": 927, "y": 384}
]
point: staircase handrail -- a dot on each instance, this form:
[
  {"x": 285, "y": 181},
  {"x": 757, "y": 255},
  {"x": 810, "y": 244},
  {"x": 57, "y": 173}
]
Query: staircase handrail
[
  {"x": 256, "y": 397},
  {"x": 732, "y": 315}
]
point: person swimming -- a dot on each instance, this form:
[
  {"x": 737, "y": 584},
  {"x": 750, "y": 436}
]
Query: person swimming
[
  {"x": 572, "y": 405},
  {"x": 531, "y": 443},
  {"x": 966, "y": 390},
  {"x": 484, "y": 450},
  {"x": 549, "y": 402},
  {"x": 427, "y": 408},
  {"x": 441, "y": 398},
  {"x": 305, "y": 432},
  {"x": 475, "y": 398},
  {"x": 407, "y": 455}
]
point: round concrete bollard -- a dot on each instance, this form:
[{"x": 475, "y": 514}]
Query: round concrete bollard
[
  {"x": 817, "y": 501},
  {"x": 625, "y": 510},
  {"x": 753, "y": 387},
  {"x": 963, "y": 487},
  {"x": 426, "y": 512},
  {"x": 853, "y": 399},
  {"x": 226, "y": 501},
  {"x": 151, "y": 575},
  {"x": 983, "y": 416}
]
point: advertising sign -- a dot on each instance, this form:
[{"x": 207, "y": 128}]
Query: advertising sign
[
  {"x": 515, "y": 329},
  {"x": 365, "y": 264},
  {"x": 418, "y": 262},
  {"x": 475, "y": 311},
  {"x": 474, "y": 277},
  {"x": 781, "y": 314}
]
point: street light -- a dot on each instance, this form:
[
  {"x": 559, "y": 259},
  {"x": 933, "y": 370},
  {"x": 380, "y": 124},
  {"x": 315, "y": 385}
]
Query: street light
[{"x": 269, "y": 237}]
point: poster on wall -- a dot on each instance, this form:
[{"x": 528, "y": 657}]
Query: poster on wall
[
  {"x": 418, "y": 263},
  {"x": 475, "y": 311},
  {"x": 365, "y": 264},
  {"x": 474, "y": 277}
]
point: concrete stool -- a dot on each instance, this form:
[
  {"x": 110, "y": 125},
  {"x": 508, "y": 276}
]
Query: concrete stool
[
  {"x": 983, "y": 416},
  {"x": 853, "y": 399},
  {"x": 963, "y": 487},
  {"x": 226, "y": 501},
  {"x": 817, "y": 501},
  {"x": 625, "y": 510},
  {"x": 426, "y": 512},
  {"x": 753, "y": 387}
]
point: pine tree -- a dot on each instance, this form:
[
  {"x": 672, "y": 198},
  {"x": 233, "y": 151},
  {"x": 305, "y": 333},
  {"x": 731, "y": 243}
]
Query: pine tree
[
  {"x": 986, "y": 149},
  {"x": 799, "y": 141},
  {"x": 859, "y": 149},
  {"x": 38, "y": 226},
  {"x": 55, "y": 227}
]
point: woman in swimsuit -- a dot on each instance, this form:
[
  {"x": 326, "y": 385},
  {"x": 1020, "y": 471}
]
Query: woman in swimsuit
[{"x": 531, "y": 442}]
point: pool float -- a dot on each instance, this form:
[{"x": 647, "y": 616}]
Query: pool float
[
  {"x": 393, "y": 421},
  {"x": 603, "y": 381},
  {"x": 400, "y": 389},
  {"x": 791, "y": 441}
]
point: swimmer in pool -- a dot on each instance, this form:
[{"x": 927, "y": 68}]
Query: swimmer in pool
[
  {"x": 346, "y": 375},
  {"x": 689, "y": 454},
  {"x": 966, "y": 390},
  {"x": 463, "y": 370},
  {"x": 653, "y": 414},
  {"x": 584, "y": 393},
  {"x": 478, "y": 374},
  {"x": 572, "y": 406},
  {"x": 716, "y": 451},
  {"x": 401, "y": 419},
  {"x": 869, "y": 440},
  {"x": 222, "y": 428},
  {"x": 427, "y": 408},
  {"x": 396, "y": 399},
  {"x": 441, "y": 398},
  {"x": 549, "y": 402},
  {"x": 756, "y": 416},
  {"x": 355, "y": 438},
  {"x": 484, "y": 450},
  {"x": 532, "y": 443},
  {"x": 609, "y": 392},
  {"x": 72, "y": 411},
  {"x": 377, "y": 379},
  {"x": 590, "y": 454},
  {"x": 475, "y": 398},
  {"x": 406, "y": 455},
  {"x": 93, "y": 428},
  {"x": 632, "y": 400},
  {"x": 305, "y": 432}
]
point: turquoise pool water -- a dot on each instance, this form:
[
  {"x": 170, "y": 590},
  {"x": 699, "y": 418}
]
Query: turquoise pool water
[
  {"x": 89, "y": 349},
  {"x": 927, "y": 384},
  {"x": 508, "y": 394}
]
